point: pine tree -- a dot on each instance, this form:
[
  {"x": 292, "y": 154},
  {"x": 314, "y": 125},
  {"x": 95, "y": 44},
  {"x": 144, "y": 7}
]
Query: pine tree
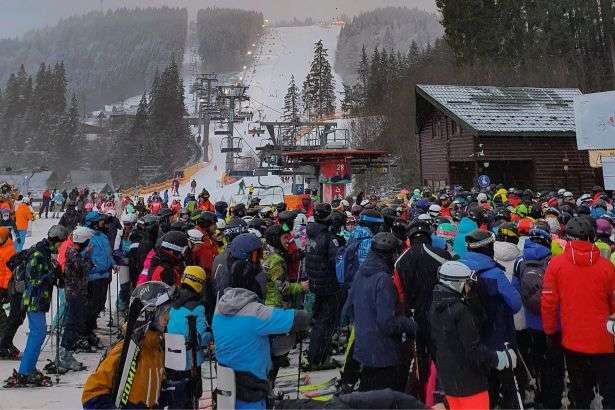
[
  {"x": 363, "y": 74},
  {"x": 319, "y": 86},
  {"x": 291, "y": 102}
]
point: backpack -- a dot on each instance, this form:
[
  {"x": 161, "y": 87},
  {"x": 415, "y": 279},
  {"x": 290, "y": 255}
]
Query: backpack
[
  {"x": 347, "y": 261},
  {"x": 531, "y": 278},
  {"x": 17, "y": 264}
]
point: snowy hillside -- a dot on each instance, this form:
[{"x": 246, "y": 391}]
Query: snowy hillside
[{"x": 283, "y": 52}]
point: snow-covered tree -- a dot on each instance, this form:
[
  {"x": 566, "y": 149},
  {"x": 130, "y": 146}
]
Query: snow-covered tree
[
  {"x": 319, "y": 85},
  {"x": 292, "y": 102}
]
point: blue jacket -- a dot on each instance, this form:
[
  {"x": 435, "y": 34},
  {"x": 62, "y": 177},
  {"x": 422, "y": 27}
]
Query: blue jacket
[
  {"x": 101, "y": 256},
  {"x": 378, "y": 329},
  {"x": 365, "y": 235},
  {"x": 531, "y": 252},
  {"x": 241, "y": 327},
  {"x": 437, "y": 242},
  {"x": 466, "y": 225},
  {"x": 189, "y": 304},
  {"x": 499, "y": 299}
]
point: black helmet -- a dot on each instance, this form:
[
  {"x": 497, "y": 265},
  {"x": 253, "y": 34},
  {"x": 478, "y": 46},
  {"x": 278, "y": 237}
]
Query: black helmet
[
  {"x": 281, "y": 207},
  {"x": 272, "y": 236},
  {"x": 57, "y": 233},
  {"x": 386, "y": 243},
  {"x": 400, "y": 229},
  {"x": 175, "y": 241},
  {"x": 418, "y": 227},
  {"x": 580, "y": 228},
  {"x": 234, "y": 228},
  {"x": 165, "y": 213},
  {"x": 337, "y": 219},
  {"x": 221, "y": 207},
  {"x": 475, "y": 212},
  {"x": 239, "y": 210},
  {"x": 258, "y": 224},
  {"x": 204, "y": 194},
  {"x": 322, "y": 212},
  {"x": 205, "y": 219}
]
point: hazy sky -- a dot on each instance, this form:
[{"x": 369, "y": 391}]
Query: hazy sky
[{"x": 19, "y": 16}]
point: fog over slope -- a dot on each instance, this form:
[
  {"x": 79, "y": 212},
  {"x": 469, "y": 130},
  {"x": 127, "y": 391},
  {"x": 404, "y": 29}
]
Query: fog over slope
[{"x": 19, "y": 16}]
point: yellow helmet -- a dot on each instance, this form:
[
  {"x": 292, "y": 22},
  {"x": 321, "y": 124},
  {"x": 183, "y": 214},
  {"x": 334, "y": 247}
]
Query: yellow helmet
[{"x": 194, "y": 276}]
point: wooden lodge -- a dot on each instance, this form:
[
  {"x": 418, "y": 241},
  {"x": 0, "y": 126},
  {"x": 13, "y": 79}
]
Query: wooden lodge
[{"x": 521, "y": 137}]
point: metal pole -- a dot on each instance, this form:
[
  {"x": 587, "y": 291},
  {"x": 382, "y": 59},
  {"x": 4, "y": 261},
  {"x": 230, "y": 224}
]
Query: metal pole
[
  {"x": 231, "y": 127},
  {"x": 58, "y": 336},
  {"x": 512, "y": 370}
]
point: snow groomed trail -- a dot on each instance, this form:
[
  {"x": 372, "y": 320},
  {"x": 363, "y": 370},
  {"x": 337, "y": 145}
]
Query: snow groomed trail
[{"x": 282, "y": 52}]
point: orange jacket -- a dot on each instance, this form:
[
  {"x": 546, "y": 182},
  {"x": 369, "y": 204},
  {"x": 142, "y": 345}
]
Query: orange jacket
[
  {"x": 23, "y": 215},
  {"x": 203, "y": 254},
  {"x": 147, "y": 381},
  {"x": 7, "y": 250},
  {"x": 206, "y": 205}
]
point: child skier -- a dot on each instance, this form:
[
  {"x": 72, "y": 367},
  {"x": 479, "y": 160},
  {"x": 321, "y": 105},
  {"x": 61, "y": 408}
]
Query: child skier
[{"x": 184, "y": 386}]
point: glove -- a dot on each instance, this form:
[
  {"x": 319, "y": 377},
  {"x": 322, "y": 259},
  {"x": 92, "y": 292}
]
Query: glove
[
  {"x": 610, "y": 325},
  {"x": 507, "y": 359}
]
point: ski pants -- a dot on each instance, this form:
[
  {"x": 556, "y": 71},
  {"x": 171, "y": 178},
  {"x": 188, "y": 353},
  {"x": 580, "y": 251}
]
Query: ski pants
[
  {"x": 16, "y": 317},
  {"x": 545, "y": 364},
  {"x": 326, "y": 315},
  {"x": 44, "y": 209},
  {"x": 502, "y": 388},
  {"x": 21, "y": 236},
  {"x": 585, "y": 372},
  {"x": 123, "y": 300},
  {"x": 74, "y": 321},
  {"x": 97, "y": 297},
  {"x": 379, "y": 378},
  {"x": 37, "y": 323}
]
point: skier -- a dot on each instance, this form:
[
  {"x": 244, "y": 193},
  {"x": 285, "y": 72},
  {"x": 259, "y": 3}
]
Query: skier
[
  {"x": 193, "y": 187},
  {"x": 145, "y": 390},
  {"x": 379, "y": 330},
  {"x": 241, "y": 327},
  {"x": 23, "y": 217},
  {"x": 45, "y": 204},
  {"x": 204, "y": 204},
  {"x": 7, "y": 250},
  {"x": 167, "y": 265},
  {"x": 56, "y": 203},
  {"x": 7, "y": 221},
  {"x": 463, "y": 361},
  {"x": 250, "y": 191},
  {"x": 186, "y": 387},
  {"x": 468, "y": 223},
  {"x": 242, "y": 187},
  {"x": 75, "y": 274},
  {"x": 579, "y": 289},
  {"x": 500, "y": 301},
  {"x": 41, "y": 274},
  {"x": 203, "y": 255},
  {"x": 319, "y": 262},
  {"x": 71, "y": 217}
]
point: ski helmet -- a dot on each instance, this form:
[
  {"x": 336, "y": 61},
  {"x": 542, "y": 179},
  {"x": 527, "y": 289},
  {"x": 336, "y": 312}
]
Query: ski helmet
[
  {"x": 92, "y": 218},
  {"x": 165, "y": 213},
  {"x": 322, "y": 212},
  {"x": 129, "y": 218},
  {"x": 174, "y": 241},
  {"x": 454, "y": 274},
  {"x": 580, "y": 228},
  {"x": 422, "y": 205},
  {"x": 57, "y": 233},
  {"x": 5, "y": 214},
  {"x": 235, "y": 227},
  {"x": 195, "y": 236},
  {"x": 205, "y": 219},
  {"x": 603, "y": 228},
  {"x": 434, "y": 210},
  {"x": 540, "y": 236},
  {"x": 221, "y": 207},
  {"x": 243, "y": 245},
  {"x": 371, "y": 219},
  {"x": 204, "y": 194},
  {"x": 479, "y": 239},
  {"x": 194, "y": 277},
  {"x": 337, "y": 220},
  {"x": 524, "y": 226},
  {"x": 82, "y": 235},
  {"x": 385, "y": 243},
  {"x": 418, "y": 228},
  {"x": 400, "y": 229},
  {"x": 239, "y": 210},
  {"x": 475, "y": 212},
  {"x": 272, "y": 236},
  {"x": 507, "y": 232},
  {"x": 156, "y": 298}
]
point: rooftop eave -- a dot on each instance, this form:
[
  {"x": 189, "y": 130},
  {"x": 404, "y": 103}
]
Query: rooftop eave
[{"x": 487, "y": 133}]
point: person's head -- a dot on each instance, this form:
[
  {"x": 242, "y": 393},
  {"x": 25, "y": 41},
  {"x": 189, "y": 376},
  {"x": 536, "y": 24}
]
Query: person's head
[
  {"x": 195, "y": 236},
  {"x": 447, "y": 231},
  {"x": 5, "y": 234},
  {"x": 387, "y": 246},
  {"x": 239, "y": 210},
  {"x": 5, "y": 214},
  {"x": 454, "y": 275},
  {"x": 337, "y": 221},
  {"x": 524, "y": 226},
  {"x": 156, "y": 298},
  {"x": 604, "y": 229},
  {"x": 204, "y": 194},
  {"x": 541, "y": 237},
  {"x": 246, "y": 253},
  {"x": 419, "y": 231},
  {"x": 274, "y": 235},
  {"x": 206, "y": 221},
  {"x": 81, "y": 237},
  {"x": 580, "y": 228},
  {"x": 95, "y": 220},
  {"x": 174, "y": 244},
  {"x": 56, "y": 235},
  {"x": 193, "y": 278},
  {"x": 480, "y": 241},
  {"x": 475, "y": 213},
  {"x": 507, "y": 232},
  {"x": 371, "y": 219},
  {"x": 400, "y": 229},
  {"x": 322, "y": 212}
]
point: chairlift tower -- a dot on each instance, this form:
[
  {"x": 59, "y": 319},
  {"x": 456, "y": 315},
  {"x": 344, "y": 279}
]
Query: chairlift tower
[
  {"x": 230, "y": 96},
  {"x": 203, "y": 89}
]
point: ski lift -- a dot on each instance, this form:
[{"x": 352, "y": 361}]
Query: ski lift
[{"x": 254, "y": 130}]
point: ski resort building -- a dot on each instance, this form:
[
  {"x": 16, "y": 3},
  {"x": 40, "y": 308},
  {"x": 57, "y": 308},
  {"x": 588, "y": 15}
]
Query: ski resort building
[{"x": 521, "y": 137}]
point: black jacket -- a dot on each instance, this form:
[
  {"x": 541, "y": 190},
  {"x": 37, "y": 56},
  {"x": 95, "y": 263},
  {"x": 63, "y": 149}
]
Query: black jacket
[
  {"x": 321, "y": 251},
  {"x": 463, "y": 362},
  {"x": 71, "y": 219}
]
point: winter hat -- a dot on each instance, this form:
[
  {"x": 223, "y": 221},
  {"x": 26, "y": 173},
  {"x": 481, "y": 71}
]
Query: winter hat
[
  {"x": 453, "y": 274},
  {"x": 603, "y": 227},
  {"x": 92, "y": 217},
  {"x": 446, "y": 231},
  {"x": 482, "y": 197},
  {"x": 479, "y": 239},
  {"x": 243, "y": 245}
]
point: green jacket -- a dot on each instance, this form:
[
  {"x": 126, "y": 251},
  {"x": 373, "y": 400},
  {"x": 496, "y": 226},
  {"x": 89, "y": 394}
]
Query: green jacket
[
  {"x": 40, "y": 276},
  {"x": 277, "y": 282}
]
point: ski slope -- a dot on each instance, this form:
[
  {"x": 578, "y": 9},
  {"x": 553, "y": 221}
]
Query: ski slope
[{"x": 282, "y": 52}]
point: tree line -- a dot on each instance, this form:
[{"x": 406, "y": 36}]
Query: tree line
[
  {"x": 109, "y": 56},
  {"x": 476, "y": 50},
  {"x": 225, "y": 36}
]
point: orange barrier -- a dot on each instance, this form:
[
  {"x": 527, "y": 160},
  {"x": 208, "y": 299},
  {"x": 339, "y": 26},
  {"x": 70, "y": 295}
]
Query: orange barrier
[
  {"x": 189, "y": 172},
  {"x": 294, "y": 201}
]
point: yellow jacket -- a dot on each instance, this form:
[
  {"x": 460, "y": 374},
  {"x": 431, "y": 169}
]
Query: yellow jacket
[
  {"x": 147, "y": 380},
  {"x": 502, "y": 193}
]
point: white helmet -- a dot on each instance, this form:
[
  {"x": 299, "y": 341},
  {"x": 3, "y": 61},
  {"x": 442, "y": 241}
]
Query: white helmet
[
  {"x": 129, "y": 218},
  {"x": 454, "y": 274},
  {"x": 434, "y": 210},
  {"x": 110, "y": 212},
  {"x": 424, "y": 218},
  {"x": 482, "y": 197},
  {"x": 561, "y": 191},
  {"x": 195, "y": 236},
  {"x": 301, "y": 219},
  {"x": 81, "y": 234}
]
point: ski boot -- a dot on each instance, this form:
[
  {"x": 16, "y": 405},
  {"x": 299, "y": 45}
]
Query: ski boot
[
  {"x": 68, "y": 361},
  {"x": 83, "y": 346},
  {"x": 52, "y": 368},
  {"x": 16, "y": 380},
  {"x": 11, "y": 353},
  {"x": 38, "y": 379},
  {"x": 94, "y": 341}
]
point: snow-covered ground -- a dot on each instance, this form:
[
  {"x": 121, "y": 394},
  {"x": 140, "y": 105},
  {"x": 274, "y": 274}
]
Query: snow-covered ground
[{"x": 283, "y": 52}]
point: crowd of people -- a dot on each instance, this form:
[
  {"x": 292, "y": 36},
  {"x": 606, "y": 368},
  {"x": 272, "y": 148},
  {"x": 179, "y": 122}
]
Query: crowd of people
[{"x": 480, "y": 299}]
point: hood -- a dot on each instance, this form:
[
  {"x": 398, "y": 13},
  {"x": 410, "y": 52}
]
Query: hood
[
  {"x": 314, "y": 229},
  {"x": 466, "y": 225},
  {"x": 235, "y": 299},
  {"x": 478, "y": 261},
  {"x": 361, "y": 232},
  {"x": 533, "y": 251},
  {"x": 505, "y": 251},
  {"x": 582, "y": 253},
  {"x": 444, "y": 297},
  {"x": 374, "y": 264}
]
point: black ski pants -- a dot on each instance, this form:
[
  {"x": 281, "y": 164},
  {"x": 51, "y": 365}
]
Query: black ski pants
[
  {"x": 325, "y": 317},
  {"x": 379, "y": 378},
  {"x": 585, "y": 372},
  {"x": 74, "y": 321},
  {"x": 15, "y": 319},
  {"x": 97, "y": 296}
]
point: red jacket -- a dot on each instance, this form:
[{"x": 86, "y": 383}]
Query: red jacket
[
  {"x": 203, "y": 254},
  {"x": 206, "y": 205},
  {"x": 580, "y": 286}
]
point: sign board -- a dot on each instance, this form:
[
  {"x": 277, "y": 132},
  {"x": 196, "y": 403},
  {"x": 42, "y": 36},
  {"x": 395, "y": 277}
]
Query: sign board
[
  {"x": 608, "y": 171},
  {"x": 484, "y": 181},
  {"x": 596, "y": 155},
  {"x": 595, "y": 120}
]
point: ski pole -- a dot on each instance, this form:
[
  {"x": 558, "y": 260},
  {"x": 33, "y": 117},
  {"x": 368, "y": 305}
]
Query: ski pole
[
  {"x": 110, "y": 314},
  {"x": 299, "y": 367},
  {"x": 211, "y": 378},
  {"x": 58, "y": 336},
  {"x": 532, "y": 379},
  {"x": 117, "y": 301},
  {"x": 512, "y": 370}
]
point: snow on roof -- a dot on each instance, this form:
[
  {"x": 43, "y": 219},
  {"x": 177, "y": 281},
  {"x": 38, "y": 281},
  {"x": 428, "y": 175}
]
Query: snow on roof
[
  {"x": 29, "y": 182},
  {"x": 506, "y": 110},
  {"x": 89, "y": 178}
]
